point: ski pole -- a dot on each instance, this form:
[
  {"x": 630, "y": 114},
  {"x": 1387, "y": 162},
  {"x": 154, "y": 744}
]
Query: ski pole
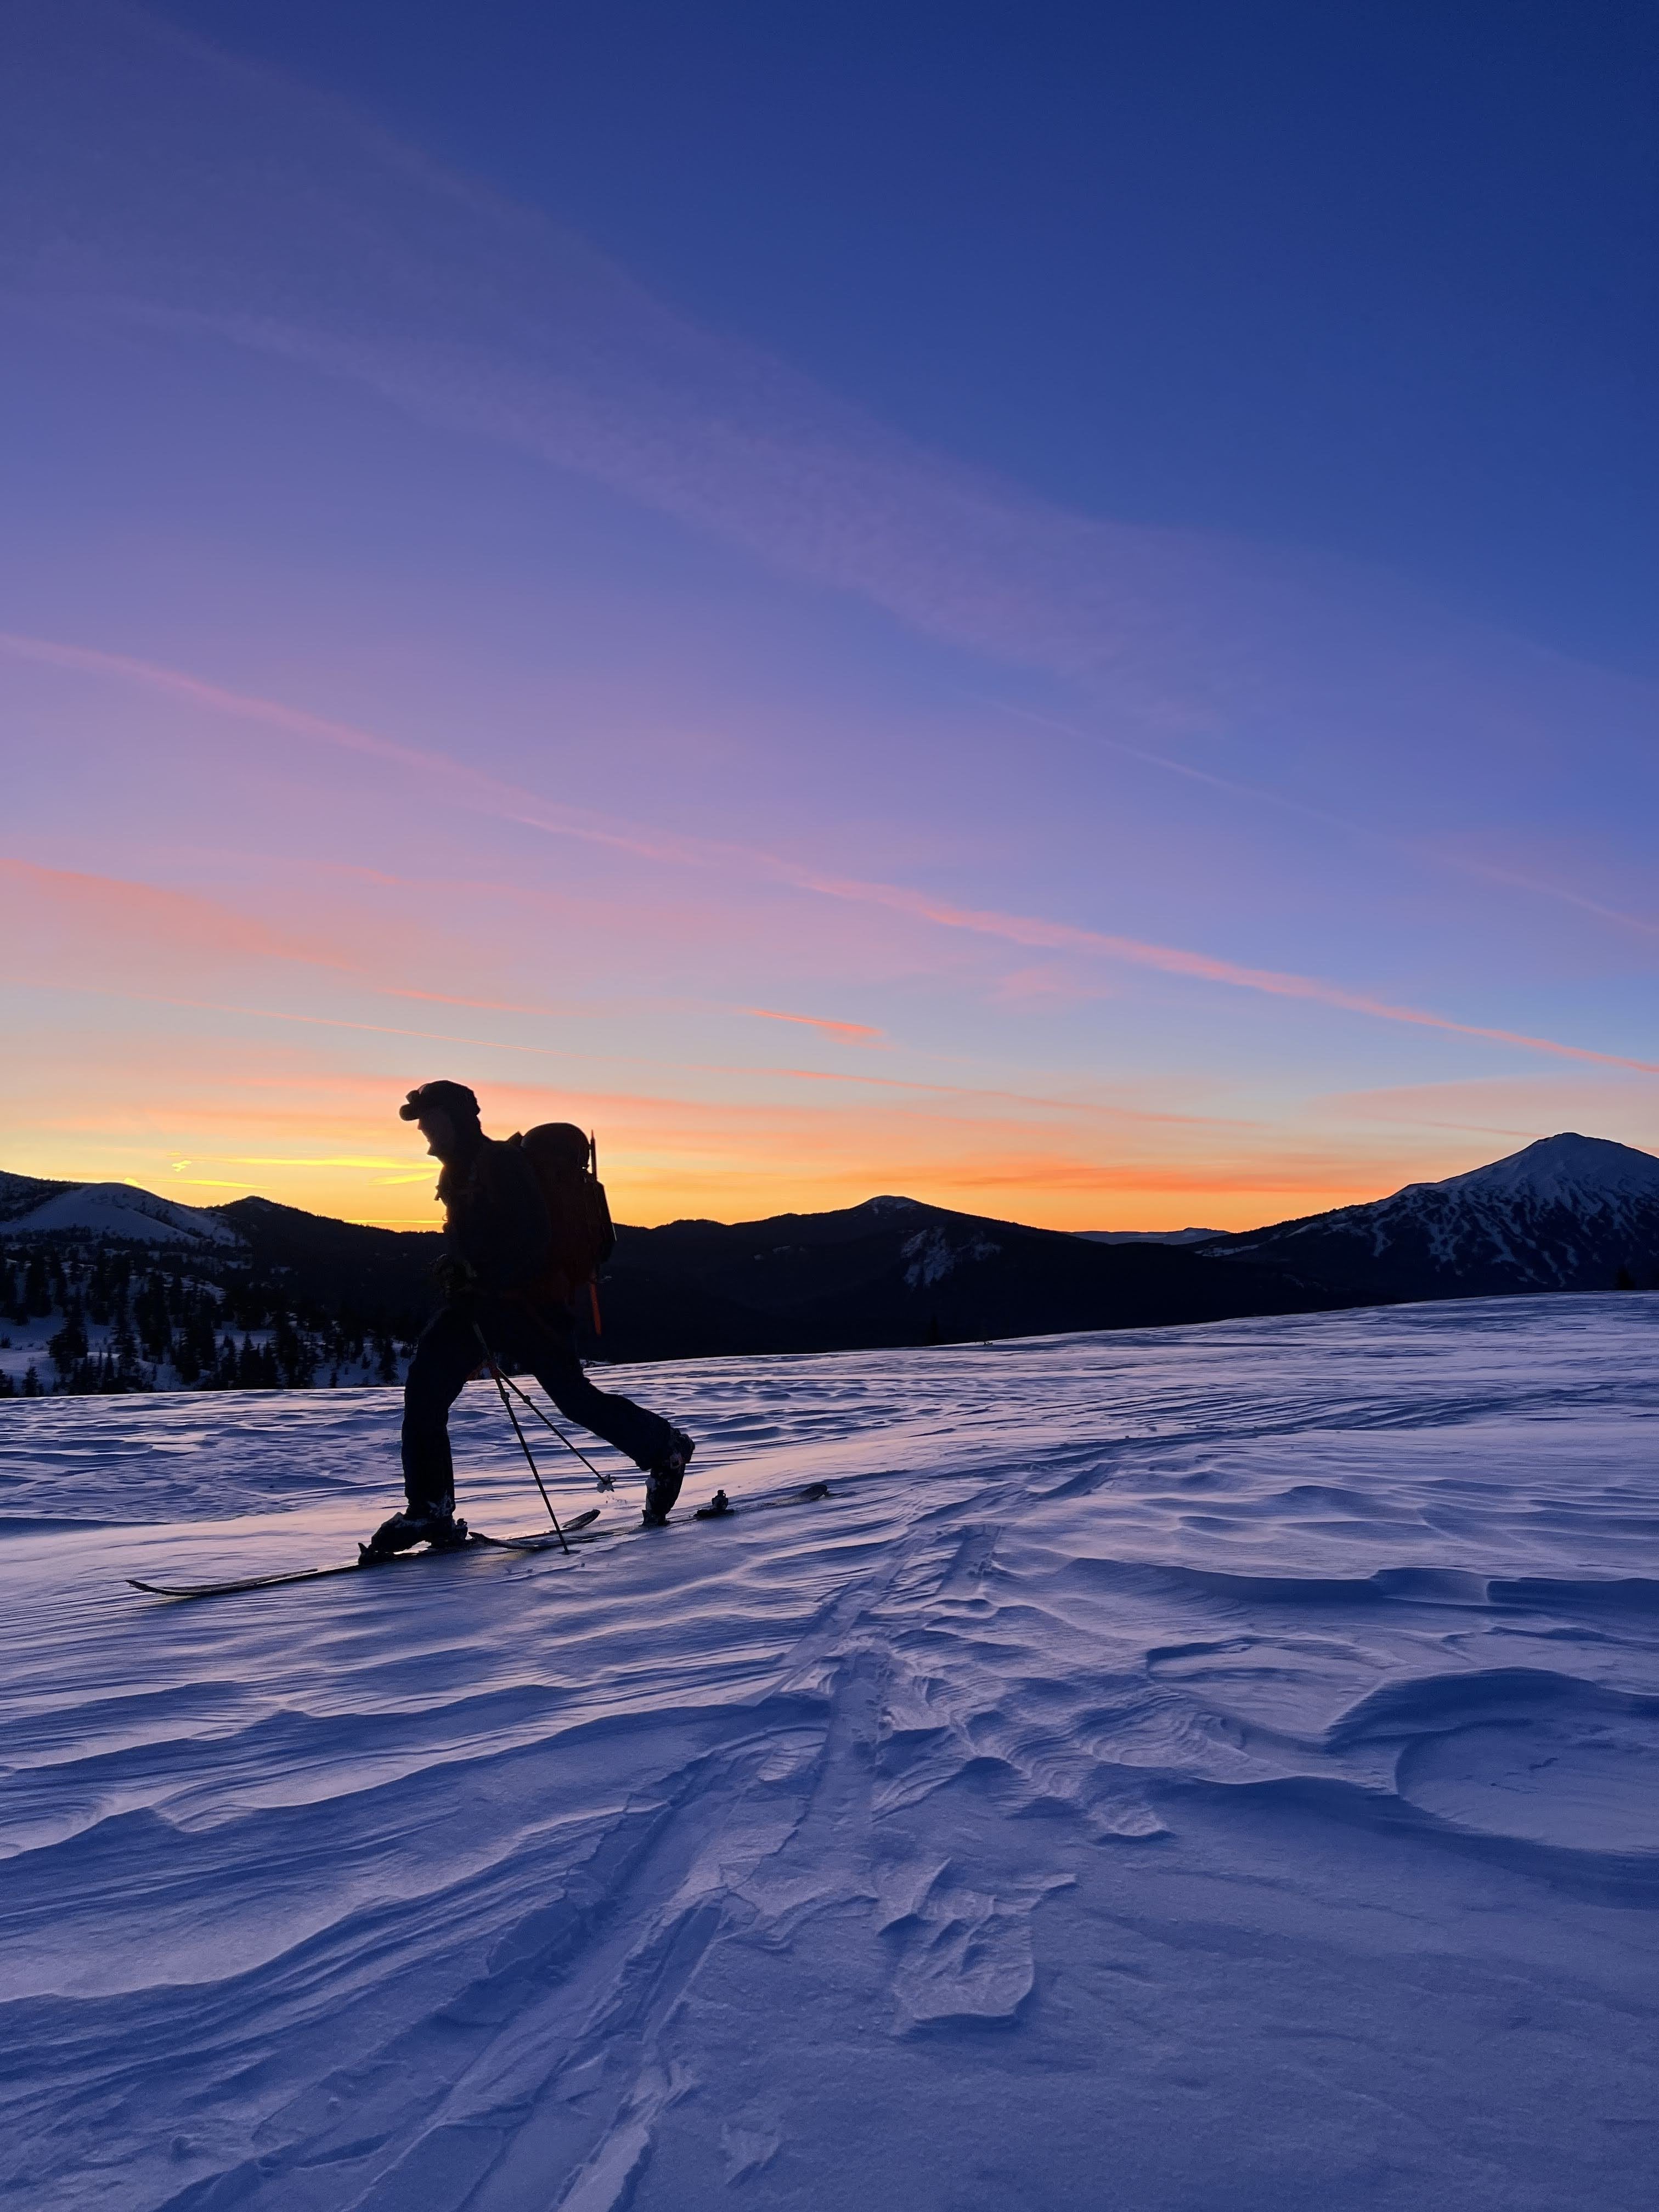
[
  {"x": 495, "y": 1368},
  {"x": 605, "y": 1481}
]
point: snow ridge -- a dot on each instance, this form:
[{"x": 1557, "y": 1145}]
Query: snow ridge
[{"x": 119, "y": 1209}]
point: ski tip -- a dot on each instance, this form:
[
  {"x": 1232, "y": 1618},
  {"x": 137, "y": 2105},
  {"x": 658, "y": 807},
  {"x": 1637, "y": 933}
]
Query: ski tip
[{"x": 813, "y": 1491}]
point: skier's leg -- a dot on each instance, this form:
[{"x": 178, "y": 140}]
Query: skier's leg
[
  {"x": 550, "y": 1339},
  {"x": 446, "y": 1355}
]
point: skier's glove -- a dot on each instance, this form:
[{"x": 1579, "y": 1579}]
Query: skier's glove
[{"x": 456, "y": 1279}]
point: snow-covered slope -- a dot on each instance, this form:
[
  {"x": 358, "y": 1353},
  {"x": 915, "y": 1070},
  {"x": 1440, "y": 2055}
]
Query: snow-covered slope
[
  {"x": 1567, "y": 1213},
  {"x": 1212, "y": 1767},
  {"x": 1148, "y": 1236},
  {"x": 117, "y": 1209}
]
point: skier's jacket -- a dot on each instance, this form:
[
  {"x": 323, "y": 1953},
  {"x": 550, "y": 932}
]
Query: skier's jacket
[{"x": 495, "y": 1226}]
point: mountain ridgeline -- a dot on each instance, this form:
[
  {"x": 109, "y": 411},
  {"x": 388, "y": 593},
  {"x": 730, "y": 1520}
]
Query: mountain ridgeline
[
  {"x": 121, "y": 1289},
  {"x": 107, "y": 1287},
  {"x": 1568, "y": 1213},
  {"x": 894, "y": 1272}
]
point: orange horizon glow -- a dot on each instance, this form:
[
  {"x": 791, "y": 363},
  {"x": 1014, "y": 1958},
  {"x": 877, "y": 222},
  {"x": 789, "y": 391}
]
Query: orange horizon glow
[
  {"x": 668, "y": 1158},
  {"x": 226, "y": 1090},
  {"x": 252, "y": 1060}
]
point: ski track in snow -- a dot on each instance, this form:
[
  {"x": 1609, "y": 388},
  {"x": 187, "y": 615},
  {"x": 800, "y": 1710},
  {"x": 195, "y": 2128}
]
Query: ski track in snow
[{"x": 1207, "y": 1767}]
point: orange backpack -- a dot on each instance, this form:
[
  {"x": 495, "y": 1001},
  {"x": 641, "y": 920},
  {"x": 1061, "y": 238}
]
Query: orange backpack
[{"x": 564, "y": 1161}]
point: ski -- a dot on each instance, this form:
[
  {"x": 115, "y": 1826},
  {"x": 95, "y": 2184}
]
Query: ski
[
  {"x": 541, "y": 1541},
  {"x": 580, "y": 1530},
  {"x": 721, "y": 1508}
]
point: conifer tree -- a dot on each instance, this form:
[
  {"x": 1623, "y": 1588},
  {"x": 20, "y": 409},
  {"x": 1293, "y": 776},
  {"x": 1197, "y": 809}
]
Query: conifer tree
[{"x": 68, "y": 1345}]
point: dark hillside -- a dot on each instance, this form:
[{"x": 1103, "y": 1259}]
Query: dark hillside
[
  {"x": 383, "y": 1275},
  {"x": 889, "y": 1272},
  {"x": 894, "y": 1272}
]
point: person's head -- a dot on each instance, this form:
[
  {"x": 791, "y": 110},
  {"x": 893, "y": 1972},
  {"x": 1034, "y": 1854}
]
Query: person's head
[{"x": 446, "y": 1116}]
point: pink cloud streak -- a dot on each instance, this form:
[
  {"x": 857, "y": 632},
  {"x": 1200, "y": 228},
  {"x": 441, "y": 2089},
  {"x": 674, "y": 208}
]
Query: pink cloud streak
[
  {"x": 853, "y": 1032},
  {"x": 1029, "y": 931}
]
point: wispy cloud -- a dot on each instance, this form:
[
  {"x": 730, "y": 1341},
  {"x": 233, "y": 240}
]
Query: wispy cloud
[
  {"x": 489, "y": 794},
  {"x": 306, "y": 1020},
  {"x": 848, "y": 1032},
  {"x": 480, "y": 1005},
  {"x": 1028, "y": 931},
  {"x": 160, "y": 179},
  {"x": 106, "y": 915},
  {"x": 305, "y": 1162},
  {"x": 1202, "y": 967}
]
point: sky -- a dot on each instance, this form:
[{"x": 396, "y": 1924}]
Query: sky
[{"x": 1047, "y": 608}]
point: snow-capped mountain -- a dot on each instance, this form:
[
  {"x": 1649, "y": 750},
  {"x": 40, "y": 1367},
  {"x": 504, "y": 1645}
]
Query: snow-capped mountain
[
  {"x": 1568, "y": 1213},
  {"x": 119, "y": 1209}
]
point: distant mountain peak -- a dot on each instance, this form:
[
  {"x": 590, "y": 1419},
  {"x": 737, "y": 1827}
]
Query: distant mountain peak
[
  {"x": 1562, "y": 1170},
  {"x": 1569, "y": 1212}
]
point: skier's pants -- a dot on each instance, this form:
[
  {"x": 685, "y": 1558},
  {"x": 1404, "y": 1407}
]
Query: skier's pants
[{"x": 538, "y": 1339}]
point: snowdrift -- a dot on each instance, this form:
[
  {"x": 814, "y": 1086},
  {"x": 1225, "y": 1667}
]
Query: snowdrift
[{"x": 1204, "y": 1768}]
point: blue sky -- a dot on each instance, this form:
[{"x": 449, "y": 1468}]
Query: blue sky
[{"x": 1381, "y": 279}]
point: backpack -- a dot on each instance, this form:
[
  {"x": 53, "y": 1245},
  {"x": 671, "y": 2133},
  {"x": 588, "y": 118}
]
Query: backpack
[{"x": 563, "y": 1160}]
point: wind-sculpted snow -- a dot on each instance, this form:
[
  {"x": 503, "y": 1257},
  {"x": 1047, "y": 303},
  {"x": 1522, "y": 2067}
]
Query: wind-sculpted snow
[{"x": 1206, "y": 1768}]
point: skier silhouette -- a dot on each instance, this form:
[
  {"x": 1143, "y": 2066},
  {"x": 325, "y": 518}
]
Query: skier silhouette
[{"x": 497, "y": 1236}]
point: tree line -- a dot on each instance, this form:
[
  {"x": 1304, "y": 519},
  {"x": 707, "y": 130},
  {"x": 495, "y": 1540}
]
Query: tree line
[{"x": 189, "y": 1323}]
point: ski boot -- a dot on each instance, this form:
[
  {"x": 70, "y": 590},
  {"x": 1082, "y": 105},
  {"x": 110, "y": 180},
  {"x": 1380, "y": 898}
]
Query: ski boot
[
  {"x": 662, "y": 1481},
  {"x": 434, "y": 1525}
]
